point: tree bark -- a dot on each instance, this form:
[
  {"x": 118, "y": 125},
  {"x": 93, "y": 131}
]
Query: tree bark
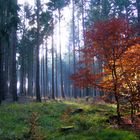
[
  {"x": 56, "y": 74},
  {"x": 1, "y": 72},
  {"x": 13, "y": 82},
  {"x": 73, "y": 42},
  {"x": 53, "y": 96},
  {"x": 114, "y": 77},
  {"x": 38, "y": 97},
  {"x": 47, "y": 87},
  {"x": 61, "y": 66}
]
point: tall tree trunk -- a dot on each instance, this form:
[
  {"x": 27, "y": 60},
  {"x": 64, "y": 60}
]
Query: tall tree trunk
[
  {"x": 1, "y": 72},
  {"x": 38, "y": 97},
  {"x": 69, "y": 66},
  {"x": 56, "y": 73},
  {"x": 73, "y": 42},
  {"x": 6, "y": 76},
  {"x": 22, "y": 77},
  {"x": 47, "y": 82},
  {"x": 41, "y": 76},
  {"x": 53, "y": 96},
  {"x": 13, "y": 82},
  {"x": 30, "y": 77},
  {"x": 13, "y": 42},
  {"x": 44, "y": 75},
  {"x": 34, "y": 72},
  {"x": 61, "y": 66},
  {"x": 83, "y": 26},
  {"x": 78, "y": 44}
]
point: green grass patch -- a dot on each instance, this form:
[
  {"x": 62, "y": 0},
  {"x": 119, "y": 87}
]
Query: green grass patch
[{"x": 15, "y": 122}]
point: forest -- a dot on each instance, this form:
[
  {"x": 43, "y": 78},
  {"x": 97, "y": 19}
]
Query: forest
[{"x": 69, "y": 69}]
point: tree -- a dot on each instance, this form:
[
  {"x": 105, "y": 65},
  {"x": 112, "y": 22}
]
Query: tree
[
  {"x": 1, "y": 79},
  {"x": 40, "y": 29},
  {"x": 129, "y": 78},
  {"x": 58, "y": 5},
  {"x": 53, "y": 95},
  {"x": 38, "y": 5},
  {"x": 73, "y": 42},
  {"x": 25, "y": 49},
  {"x": 13, "y": 82},
  {"x": 3, "y": 37},
  {"x": 107, "y": 42},
  {"x": 8, "y": 22}
]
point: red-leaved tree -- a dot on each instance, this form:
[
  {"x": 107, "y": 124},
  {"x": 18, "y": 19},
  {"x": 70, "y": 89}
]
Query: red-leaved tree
[{"x": 106, "y": 43}]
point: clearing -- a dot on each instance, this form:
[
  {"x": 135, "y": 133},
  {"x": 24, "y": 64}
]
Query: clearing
[{"x": 59, "y": 121}]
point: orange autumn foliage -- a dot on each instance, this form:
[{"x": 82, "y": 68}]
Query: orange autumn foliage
[
  {"x": 107, "y": 43},
  {"x": 115, "y": 46}
]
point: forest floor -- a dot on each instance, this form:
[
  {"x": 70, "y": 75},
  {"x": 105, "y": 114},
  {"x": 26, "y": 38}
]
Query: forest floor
[{"x": 60, "y": 120}]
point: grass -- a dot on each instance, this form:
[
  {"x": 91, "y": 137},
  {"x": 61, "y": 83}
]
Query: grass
[{"x": 15, "y": 122}]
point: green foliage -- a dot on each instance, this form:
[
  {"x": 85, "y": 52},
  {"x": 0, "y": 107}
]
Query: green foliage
[
  {"x": 57, "y": 4},
  {"x": 45, "y": 121},
  {"x": 8, "y": 17}
]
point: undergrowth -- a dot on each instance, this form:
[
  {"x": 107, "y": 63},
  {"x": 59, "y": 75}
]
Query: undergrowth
[{"x": 44, "y": 121}]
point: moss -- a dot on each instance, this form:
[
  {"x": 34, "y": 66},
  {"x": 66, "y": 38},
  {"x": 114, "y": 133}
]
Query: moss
[{"x": 88, "y": 125}]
